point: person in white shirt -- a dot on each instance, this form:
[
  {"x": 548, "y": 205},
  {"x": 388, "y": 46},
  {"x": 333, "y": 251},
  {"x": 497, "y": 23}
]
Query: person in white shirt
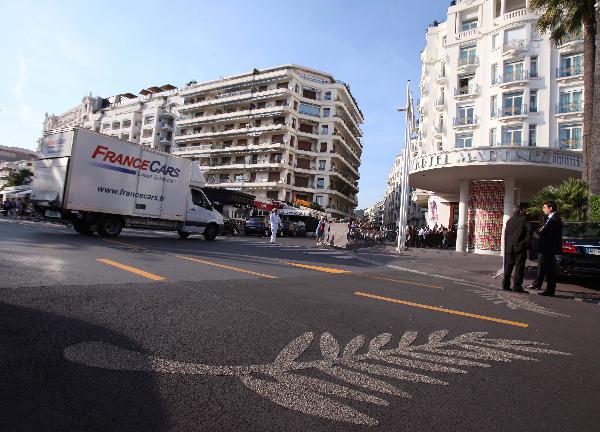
[{"x": 275, "y": 224}]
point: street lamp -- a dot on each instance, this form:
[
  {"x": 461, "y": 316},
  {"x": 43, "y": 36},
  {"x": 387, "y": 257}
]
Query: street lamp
[{"x": 404, "y": 184}]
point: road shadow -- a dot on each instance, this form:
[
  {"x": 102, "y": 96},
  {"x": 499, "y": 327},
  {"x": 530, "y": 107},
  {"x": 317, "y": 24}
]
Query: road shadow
[{"x": 41, "y": 391}]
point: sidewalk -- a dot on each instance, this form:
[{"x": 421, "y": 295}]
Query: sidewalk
[{"x": 472, "y": 269}]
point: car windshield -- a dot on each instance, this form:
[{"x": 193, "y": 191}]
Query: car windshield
[{"x": 582, "y": 230}]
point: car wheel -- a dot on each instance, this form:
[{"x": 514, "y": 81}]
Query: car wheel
[
  {"x": 210, "y": 232},
  {"x": 109, "y": 226}
]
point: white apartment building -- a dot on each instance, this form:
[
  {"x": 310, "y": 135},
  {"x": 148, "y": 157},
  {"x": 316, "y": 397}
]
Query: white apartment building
[
  {"x": 501, "y": 115},
  {"x": 287, "y": 133},
  {"x": 147, "y": 119}
]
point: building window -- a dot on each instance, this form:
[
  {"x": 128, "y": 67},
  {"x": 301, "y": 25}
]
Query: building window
[
  {"x": 495, "y": 41},
  {"x": 514, "y": 71},
  {"x": 324, "y": 130},
  {"x": 319, "y": 200},
  {"x": 465, "y": 115},
  {"x": 466, "y": 85},
  {"x": 326, "y": 112},
  {"x": 224, "y": 178},
  {"x": 320, "y": 183},
  {"x": 512, "y": 136},
  {"x": 469, "y": 24},
  {"x": 570, "y": 100},
  {"x": 571, "y": 65},
  {"x": 149, "y": 119},
  {"x": 464, "y": 141},
  {"x": 311, "y": 110},
  {"x": 569, "y": 136},
  {"x": 322, "y": 165},
  {"x": 468, "y": 55},
  {"x": 495, "y": 76},
  {"x": 493, "y": 137},
  {"x": 296, "y": 105},
  {"x": 273, "y": 195},
  {"x": 323, "y": 148},
  {"x": 328, "y": 95},
  {"x": 532, "y": 136},
  {"x": 533, "y": 67},
  {"x": 106, "y": 126},
  {"x": 494, "y": 106},
  {"x": 513, "y": 104},
  {"x": 440, "y": 147}
]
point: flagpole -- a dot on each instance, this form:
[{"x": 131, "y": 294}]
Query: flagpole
[{"x": 405, "y": 184}]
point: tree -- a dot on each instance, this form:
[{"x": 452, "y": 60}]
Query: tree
[
  {"x": 562, "y": 18},
  {"x": 19, "y": 177},
  {"x": 570, "y": 197}
]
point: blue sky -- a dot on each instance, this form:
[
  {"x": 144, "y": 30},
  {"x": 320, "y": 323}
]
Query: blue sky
[{"x": 55, "y": 52}]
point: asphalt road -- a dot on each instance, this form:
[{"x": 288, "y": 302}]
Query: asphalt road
[{"x": 146, "y": 332}]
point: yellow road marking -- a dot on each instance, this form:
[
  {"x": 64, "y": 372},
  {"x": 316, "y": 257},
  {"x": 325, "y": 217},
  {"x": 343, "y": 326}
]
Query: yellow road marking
[
  {"x": 131, "y": 269},
  {"x": 317, "y": 268},
  {"x": 399, "y": 281},
  {"x": 441, "y": 309},
  {"x": 211, "y": 263}
]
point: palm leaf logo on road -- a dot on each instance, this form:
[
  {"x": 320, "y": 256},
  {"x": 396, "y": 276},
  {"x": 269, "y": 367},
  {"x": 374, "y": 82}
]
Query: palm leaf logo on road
[{"x": 360, "y": 372}]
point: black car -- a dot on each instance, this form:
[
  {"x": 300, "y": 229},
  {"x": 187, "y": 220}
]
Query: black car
[
  {"x": 294, "y": 228},
  {"x": 580, "y": 249},
  {"x": 259, "y": 225}
]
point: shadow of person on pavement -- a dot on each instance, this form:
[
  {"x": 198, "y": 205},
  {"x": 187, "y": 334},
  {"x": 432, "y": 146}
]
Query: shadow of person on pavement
[{"x": 42, "y": 391}]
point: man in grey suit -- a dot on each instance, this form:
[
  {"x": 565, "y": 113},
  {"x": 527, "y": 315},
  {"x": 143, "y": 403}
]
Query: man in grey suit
[{"x": 517, "y": 237}]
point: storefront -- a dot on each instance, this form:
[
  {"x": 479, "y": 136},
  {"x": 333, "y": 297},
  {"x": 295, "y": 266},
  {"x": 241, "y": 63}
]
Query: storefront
[{"x": 486, "y": 183}]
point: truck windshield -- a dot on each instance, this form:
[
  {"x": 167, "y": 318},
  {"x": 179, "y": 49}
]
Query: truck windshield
[{"x": 199, "y": 199}]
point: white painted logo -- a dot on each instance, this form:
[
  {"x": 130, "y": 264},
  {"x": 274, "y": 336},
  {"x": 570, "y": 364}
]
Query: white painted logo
[
  {"x": 514, "y": 301},
  {"x": 283, "y": 382}
]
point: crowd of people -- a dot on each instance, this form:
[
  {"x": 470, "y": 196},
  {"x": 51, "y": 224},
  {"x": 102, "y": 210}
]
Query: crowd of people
[
  {"x": 15, "y": 207},
  {"x": 426, "y": 237}
]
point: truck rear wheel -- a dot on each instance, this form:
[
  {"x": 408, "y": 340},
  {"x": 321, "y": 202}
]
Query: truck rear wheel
[
  {"x": 183, "y": 235},
  {"x": 109, "y": 226},
  {"x": 83, "y": 228},
  {"x": 210, "y": 232}
]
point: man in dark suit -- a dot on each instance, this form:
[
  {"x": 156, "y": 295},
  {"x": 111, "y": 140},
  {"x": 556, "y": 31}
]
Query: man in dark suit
[
  {"x": 550, "y": 245},
  {"x": 517, "y": 236}
]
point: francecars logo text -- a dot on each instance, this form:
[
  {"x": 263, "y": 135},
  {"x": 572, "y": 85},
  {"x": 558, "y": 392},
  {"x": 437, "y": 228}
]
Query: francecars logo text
[{"x": 119, "y": 162}]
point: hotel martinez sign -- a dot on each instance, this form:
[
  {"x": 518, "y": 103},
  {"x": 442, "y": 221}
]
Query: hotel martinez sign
[{"x": 558, "y": 158}]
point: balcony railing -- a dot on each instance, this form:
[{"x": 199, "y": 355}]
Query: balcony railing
[
  {"x": 470, "y": 90},
  {"x": 569, "y": 144},
  {"x": 515, "y": 143},
  {"x": 515, "y": 111},
  {"x": 470, "y": 60},
  {"x": 515, "y": 45},
  {"x": 577, "y": 37},
  {"x": 570, "y": 107},
  {"x": 512, "y": 77},
  {"x": 569, "y": 71},
  {"x": 465, "y": 121}
]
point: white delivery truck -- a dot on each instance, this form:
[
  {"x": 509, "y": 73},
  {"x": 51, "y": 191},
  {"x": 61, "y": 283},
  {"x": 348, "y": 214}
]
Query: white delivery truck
[{"x": 101, "y": 183}]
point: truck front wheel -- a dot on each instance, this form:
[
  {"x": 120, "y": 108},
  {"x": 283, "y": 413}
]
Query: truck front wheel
[
  {"x": 210, "y": 232},
  {"x": 109, "y": 226}
]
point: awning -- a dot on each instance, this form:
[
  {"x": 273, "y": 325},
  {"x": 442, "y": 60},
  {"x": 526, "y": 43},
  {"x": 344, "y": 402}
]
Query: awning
[
  {"x": 168, "y": 87},
  {"x": 228, "y": 196}
]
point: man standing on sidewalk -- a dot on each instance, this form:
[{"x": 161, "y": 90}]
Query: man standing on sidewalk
[
  {"x": 550, "y": 245},
  {"x": 275, "y": 224},
  {"x": 517, "y": 237}
]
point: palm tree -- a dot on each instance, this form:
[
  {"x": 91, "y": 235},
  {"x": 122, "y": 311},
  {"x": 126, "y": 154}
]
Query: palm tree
[
  {"x": 562, "y": 18},
  {"x": 570, "y": 197},
  {"x": 19, "y": 177}
]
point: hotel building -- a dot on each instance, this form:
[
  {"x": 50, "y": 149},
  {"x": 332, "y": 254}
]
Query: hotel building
[
  {"x": 501, "y": 113},
  {"x": 287, "y": 133}
]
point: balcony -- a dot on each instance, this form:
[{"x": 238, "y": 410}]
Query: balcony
[
  {"x": 165, "y": 126},
  {"x": 570, "y": 108},
  {"x": 251, "y": 131},
  {"x": 571, "y": 43},
  {"x": 512, "y": 79},
  {"x": 467, "y": 34},
  {"x": 438, "y": 131},
  {"x": 466, "y": 92},
  {"x": 440, "y": 103},
  {"x": 515, "y": 47},
  {"x": 516, "y": 113},
  {"x": 441, "y": 78},
  {"x": 465, "y": 122},
  {"x": 569, "y": 144},
  {"x": 511, "y": 143},
  {"x": 467, "y": 63},
  {"x": 233, "y": 98},
  {"x": 569, "y": 72}
]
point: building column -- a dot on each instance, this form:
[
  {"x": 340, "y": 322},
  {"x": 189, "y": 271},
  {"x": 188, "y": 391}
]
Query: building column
[
  {"x": 463, "y": 210},
  {"x": 502, "y": 8},
  {"x": 509, "y": 204}
]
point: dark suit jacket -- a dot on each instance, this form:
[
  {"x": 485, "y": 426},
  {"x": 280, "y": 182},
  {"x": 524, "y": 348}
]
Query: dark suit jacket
[
  {"x": 517, "y": 234},
  {"x": 551, "y": 236}
]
